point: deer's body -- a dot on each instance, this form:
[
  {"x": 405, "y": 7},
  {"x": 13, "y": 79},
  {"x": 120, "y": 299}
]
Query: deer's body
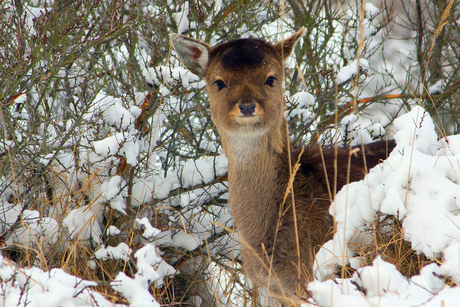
[{"x": 244, "y": 84}]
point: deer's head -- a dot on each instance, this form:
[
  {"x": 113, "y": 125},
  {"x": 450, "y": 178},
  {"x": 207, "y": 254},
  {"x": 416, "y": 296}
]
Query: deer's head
[{"x": 244, "y": 81}]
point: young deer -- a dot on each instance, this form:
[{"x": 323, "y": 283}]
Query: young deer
[{"x": 280, "y": 233}]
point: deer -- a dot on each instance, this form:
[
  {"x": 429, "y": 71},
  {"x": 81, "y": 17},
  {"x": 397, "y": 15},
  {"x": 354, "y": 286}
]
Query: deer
[{"x": 279, "y": 193}]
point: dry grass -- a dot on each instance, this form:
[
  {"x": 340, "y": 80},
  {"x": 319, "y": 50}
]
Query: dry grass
[{"x": 391, "y": 246}]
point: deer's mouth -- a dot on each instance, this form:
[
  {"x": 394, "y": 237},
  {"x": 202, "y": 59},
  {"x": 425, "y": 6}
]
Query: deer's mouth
[{"x": 247, "y": 119}]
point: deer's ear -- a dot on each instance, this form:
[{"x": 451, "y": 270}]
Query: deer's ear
[
  {"x": 286, "y": 46},
  {"x": 193, "y": 53}
]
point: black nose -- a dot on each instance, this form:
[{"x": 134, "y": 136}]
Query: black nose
[{"x": 247, "y": 109}]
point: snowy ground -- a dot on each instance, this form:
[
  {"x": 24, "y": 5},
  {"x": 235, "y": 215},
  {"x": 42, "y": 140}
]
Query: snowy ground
[{"x": 418, "y": 184}]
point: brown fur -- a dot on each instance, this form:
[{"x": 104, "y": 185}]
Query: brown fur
[{"x": 259, "y": 171}]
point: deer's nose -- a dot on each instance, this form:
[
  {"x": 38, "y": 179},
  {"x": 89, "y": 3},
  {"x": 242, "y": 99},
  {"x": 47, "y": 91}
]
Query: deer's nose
[{"x": 247, "y": 109}]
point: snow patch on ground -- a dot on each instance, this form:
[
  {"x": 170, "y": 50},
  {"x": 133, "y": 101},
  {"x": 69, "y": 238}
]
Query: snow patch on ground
[
  {"x": 53, "y": 288},
  {"x": 380, "y": 284},
  {"x": 420, "y": 185}
]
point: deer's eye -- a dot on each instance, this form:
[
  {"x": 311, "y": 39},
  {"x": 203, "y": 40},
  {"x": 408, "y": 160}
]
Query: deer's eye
[
  {"x": 270, "y": 80},
  {"x": 220, "y": 84}
]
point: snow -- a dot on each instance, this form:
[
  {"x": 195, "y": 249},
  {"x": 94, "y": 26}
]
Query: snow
[
  {"x": 111, "y": 146},
  {"x": 134, "y": 291},
  {"x": 149, "y": 231},
  {"x": 419, "y": 185},
  {"x": 112, "y": 192},
  {"x": 113, "y": 230},
  {"x": 189, "y": 241},
  {"x": 351, "y": 70},
  {"x": 114, "y": 112},
  {"x": 381, "y": 278},
  {"x": 167, "y": 76},
  {"x": 57, "y": 288},
  {"x": 151, "y": 267},
  {"x": 302, "y": 102},
  {"x": 34, "y": 230},
  {"x": 53, "y": 288},
  {"x": 451, "y": 262},
  {"x": 202, "y": 170},
  {"x": 371, "y": 10},
  {"x": 82, "y": 223},
  {"x": 121, "y": 252},
  {"x": 122, "y": 117},
  {"x": 380, "y": 284},
  {"x": 303, "y": 99},
  {"x": 449, "y": 145},
  {"x": 437, "y": 88},
  {"x": 142, "y": 190},
  {"x": 181, "y": 18}
]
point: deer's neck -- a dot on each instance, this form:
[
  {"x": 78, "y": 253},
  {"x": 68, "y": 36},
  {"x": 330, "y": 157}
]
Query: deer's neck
[{"x": 254, "y": 184}]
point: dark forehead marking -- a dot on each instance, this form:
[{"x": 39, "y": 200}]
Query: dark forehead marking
[{"x": 242, "y": 53}]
